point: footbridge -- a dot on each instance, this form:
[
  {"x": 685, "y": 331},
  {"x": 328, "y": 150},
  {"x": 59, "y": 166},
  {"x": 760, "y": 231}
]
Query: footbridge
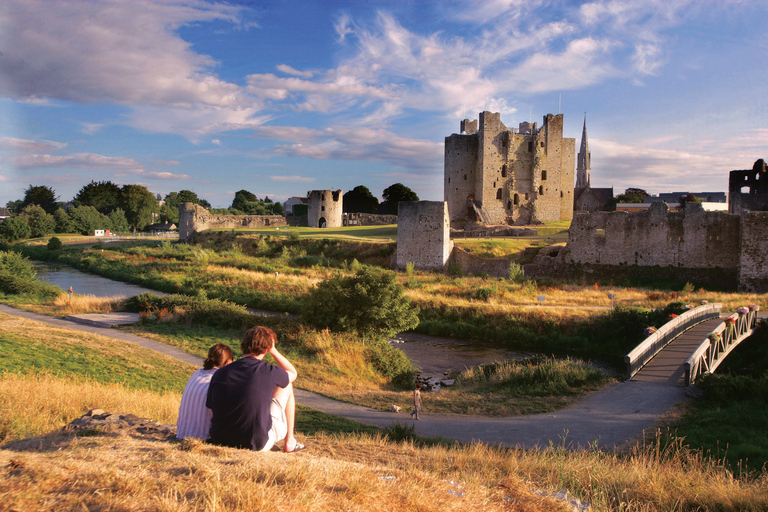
[{"x": 694, "y": 343}]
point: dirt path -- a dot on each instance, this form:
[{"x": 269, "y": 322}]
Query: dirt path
[{"x": 610, "y": 418}]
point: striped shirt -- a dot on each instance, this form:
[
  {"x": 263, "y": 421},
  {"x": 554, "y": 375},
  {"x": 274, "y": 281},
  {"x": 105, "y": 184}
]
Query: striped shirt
[{"x": 194, "y": 417}]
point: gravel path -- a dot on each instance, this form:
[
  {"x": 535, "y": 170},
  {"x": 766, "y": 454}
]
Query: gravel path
[{"x": 610, "y": 418}]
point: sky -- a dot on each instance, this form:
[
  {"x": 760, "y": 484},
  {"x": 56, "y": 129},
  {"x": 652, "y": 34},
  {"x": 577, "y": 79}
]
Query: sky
[{"x": 281, "y": 97}]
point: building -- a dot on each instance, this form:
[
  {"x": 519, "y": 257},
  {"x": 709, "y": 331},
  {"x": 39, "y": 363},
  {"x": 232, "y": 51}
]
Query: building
[
  {"x": 293, "y": 201},
  {"x": 674, "y": 197},
  {"x": 586, "y": 198},
  {"x": 324, "y": 208},
  {"x": 494, "y": 175},
  {"x": 748, "y": 189}
]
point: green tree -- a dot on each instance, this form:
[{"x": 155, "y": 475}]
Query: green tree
[
  {"x": 169, "y": 212},
  {"x": 370, "y": 303},
  {"x": 360, "y": 200},
  {"x": 15, "y": 206},
  {"x": 63, "y": 222},
  {"x": 42, "y": 196},
  {"x": 139, "y": 204},
  {"x": 105, "y": 196},
  {"x": 17, "y": 265},
  {"x": 87, "y": 219},
  {"x": 14, "y": 228},
  {"x": 393, "y": 195},
  {"x": 248, "y": 203},
  {"x": 118, "y": 221},
  {"x": 40, "y": 223}
]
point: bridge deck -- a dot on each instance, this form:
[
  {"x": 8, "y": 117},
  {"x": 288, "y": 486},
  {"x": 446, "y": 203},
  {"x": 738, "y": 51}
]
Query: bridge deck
[{"x": 667, "y": 366}]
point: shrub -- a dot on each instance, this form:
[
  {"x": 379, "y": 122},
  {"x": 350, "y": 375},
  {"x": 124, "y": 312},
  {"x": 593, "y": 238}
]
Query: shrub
[
  {"x": 17, "y": 265},
  {"x": 516, "y": 273},
  {"x": 14, "y": 228},
  {"x": 54, "y": 244},
  {"x": 455, "y": 269},
  {"x": 370, "y": 303}
]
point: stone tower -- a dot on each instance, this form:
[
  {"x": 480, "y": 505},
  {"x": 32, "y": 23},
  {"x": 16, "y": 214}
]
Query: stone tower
[
  {"x": 494, "y": 175},
  {"x": 324, "y": 208},
  {"x": 583, "y": 160}
]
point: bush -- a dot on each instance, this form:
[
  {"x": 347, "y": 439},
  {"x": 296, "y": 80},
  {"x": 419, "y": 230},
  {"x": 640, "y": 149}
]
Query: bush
[
  {"x": 17, "y": 265},
  {"x": 14, "y": 228},
  {"x": 391, "y": 362},
  {"x": 516, "y": 274},
  {"x": 370, "y": 303},
  {"x": 54, "y": 244}
]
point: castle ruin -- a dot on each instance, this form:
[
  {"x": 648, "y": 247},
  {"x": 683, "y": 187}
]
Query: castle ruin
[
  {"x": 494, "y": 175},
  {"x": 324, "y": 208},
  {"x": 423, "y": 235},
  {"x": 748, "y": 189}
]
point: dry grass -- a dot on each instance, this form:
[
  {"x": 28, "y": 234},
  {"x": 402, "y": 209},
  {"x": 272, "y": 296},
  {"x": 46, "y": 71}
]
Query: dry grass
[{"x": 343, "y": 472}]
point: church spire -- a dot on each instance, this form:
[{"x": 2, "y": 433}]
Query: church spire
[{"x": 583, "y": 159}]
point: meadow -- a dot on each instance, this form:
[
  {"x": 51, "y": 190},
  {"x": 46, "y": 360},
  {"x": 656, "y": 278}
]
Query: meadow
[
  {"x": 717, "y": 436},
  {"x": 347, "y": 466}
]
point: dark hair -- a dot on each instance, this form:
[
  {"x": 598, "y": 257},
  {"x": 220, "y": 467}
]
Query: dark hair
[
  {"x": 258, "y": 340},
  {"x": 217, "y": 356}
]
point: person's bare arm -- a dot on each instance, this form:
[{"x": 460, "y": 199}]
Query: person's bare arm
[{"x": 283, "y": 363}]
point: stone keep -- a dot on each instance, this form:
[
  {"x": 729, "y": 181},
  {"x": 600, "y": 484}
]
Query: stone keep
[
  {"x": 423, "y": 235},
  {"x": 324, "y": 208},
  {"x": 495, "y": 175}
]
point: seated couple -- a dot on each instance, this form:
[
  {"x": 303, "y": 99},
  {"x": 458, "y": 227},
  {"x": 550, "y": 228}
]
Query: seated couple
[{"x": 248, "y": 403}]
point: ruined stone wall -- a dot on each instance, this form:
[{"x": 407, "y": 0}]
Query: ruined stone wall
[
  {"x": 324, "y": 208},
  {"x": 474, "y": 265},
  {"x": 193, "y": 218},
  {"x": 368, "y": 219},
  {"x": 753, "y": 263},
  {"x": 423, "y": 235},
  {"x": 519, "y": 178},
  {"x": 460, "y": 172},
  {"x": 691, "y": 238},
  {"x": 748, "y": 189}
]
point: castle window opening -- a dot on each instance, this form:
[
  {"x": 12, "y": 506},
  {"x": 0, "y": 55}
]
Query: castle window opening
[
  {"x": 600, "y": 232},
  {"x": 530, "y": 147},
  {"x": 517, "y": 199},
  {"x": 744, "y": 190},
  {"x": 541, "y": 190},
  {"x": 542, "y": 143},
  {"x": 509, "y": 205},
  {"x": 498, "y": 194},
  {"x": 504, "y": 171},
  {"x": 526, "y": 196},
  {"x": 543, "y": 175},
  {"x": 322, "y": 208},
  {"x": 561, "y": 193},
  {"x": 465, "y": 177}
]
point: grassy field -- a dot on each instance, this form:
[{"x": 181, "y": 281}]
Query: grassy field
[{"x": 386, "y": 233}]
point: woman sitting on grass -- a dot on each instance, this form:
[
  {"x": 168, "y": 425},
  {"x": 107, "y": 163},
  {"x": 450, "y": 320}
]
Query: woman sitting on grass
[{"x": 194, "y": 417}]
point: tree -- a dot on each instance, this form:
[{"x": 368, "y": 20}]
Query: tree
[
  {"x": 63, "y": 222},
  {"x": 105, "y": 196},
  {"x": 169, "y": 212},
  {"x": 14, "y": 228},
  {"x": 118, "y": 220},
  {"x": 370, "y": 303},
  {"x": 139, "y": 204},
  {"x": 360, "y": 200},
  {"x": 393, "y": 195},
  {"x": 40, "y": 223},
  {"x": 246, "y": 202},
  {"x": 15, "y": 206},
  {"x": 42, "y": 196},
  {"x": 87, "y": 219}
]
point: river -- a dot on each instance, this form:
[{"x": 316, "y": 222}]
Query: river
[{"x": 86, "y": 284}]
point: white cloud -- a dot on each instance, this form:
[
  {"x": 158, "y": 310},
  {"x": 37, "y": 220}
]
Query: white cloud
[
  {"x": 31, "y": 145},
  {"x": 194, "y": 123},
  {"x": 110, "y": 51},
  {"x": 288, "y": 70},
  {"x": 79, "y": 160},
  {"x": 296, "y": 179}
]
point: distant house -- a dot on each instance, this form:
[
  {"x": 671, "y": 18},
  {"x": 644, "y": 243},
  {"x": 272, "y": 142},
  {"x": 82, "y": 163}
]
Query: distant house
[
  {"x": 674, "y": 197},
  {"x": 162, "y": 227},
  {"x": 4, "y": 213},
  {"x": 293, "y": 201},
  {"x": 101, "y": 232},
  {"x": 588, "y": 199}
]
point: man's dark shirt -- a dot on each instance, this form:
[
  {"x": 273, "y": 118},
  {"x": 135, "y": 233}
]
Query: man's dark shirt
[{"x": 240, "y": 396}]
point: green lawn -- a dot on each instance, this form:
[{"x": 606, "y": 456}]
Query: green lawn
[{"x": 386, "y": 233}]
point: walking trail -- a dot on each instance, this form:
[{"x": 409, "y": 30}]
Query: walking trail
[{"x": 612, "y": 417}]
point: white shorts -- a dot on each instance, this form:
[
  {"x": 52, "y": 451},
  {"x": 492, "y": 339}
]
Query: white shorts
[{"x": 279, "y": 425}]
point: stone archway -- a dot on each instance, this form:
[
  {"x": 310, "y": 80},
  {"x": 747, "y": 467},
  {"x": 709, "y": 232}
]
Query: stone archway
[{"x": 321, "y": 222}]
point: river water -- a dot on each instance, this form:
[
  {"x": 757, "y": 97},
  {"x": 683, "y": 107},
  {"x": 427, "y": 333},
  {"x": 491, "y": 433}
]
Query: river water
[{"x": 86, "y": 284}]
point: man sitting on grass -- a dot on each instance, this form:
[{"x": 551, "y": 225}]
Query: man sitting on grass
[{"x": 252, "y": 401}]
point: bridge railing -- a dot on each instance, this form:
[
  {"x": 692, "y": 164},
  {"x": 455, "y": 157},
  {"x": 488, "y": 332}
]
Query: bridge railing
[
  {"x": 717, "y": 345},
  {"x": 651, "y": 345}
]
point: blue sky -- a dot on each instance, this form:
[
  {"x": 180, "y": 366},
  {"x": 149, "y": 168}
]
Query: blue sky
[{"x": 281, "y": 97}]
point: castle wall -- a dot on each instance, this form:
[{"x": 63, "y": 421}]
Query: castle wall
[
  {"x": 748, "y": 189},
  {"x": 753, "y": 268},
  {"x": 368, "y": 219},
  {"x": 691, "y": 238},
  {"x": 460, "y": 173},
  {"x": 193, "y": 218},
  {"x": 324, "y": 208},
  {"x": 423, "y": 235},
  {"x": 519, "y": 178}
]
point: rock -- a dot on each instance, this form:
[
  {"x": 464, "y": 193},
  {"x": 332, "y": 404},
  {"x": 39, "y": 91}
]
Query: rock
[
  {"x": 121, "y": 423},
  {"x": 448, "y": 382},
  {"x": 95, "y": 412}
]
